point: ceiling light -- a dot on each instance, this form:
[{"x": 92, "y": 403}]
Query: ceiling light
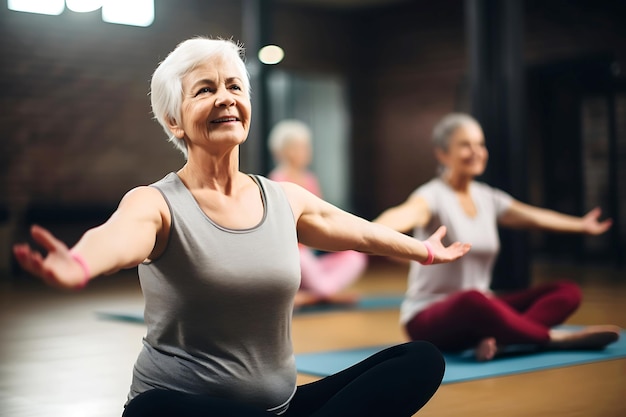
[
  {"x": 83, "y": 6},
  {"x": 271, "y": 54}
]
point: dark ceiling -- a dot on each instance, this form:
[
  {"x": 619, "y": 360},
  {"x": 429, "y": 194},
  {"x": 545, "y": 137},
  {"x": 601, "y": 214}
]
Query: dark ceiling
[{"x": 343, "y": 4}]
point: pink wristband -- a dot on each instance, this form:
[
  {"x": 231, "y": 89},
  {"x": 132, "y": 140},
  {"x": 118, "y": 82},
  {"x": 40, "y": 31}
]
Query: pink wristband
[
  {"x": 81, "y": 261},
  {"x": 431, "y": 254}
]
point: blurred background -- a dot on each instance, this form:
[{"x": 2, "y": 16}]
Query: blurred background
[{"x": 547, "y": 80}]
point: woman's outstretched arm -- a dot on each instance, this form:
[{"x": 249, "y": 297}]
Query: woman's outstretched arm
[
  {"x": 126, "y": 239},
  {"x": 324, "y": 226},
  {"x": 524, "y": 216},
  {"x": 412, "y": 213}
]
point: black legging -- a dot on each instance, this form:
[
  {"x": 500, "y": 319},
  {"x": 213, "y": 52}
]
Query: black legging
[{"x": 395, "y": 382}]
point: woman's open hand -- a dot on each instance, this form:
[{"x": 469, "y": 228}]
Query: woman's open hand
[
  {"x": 592, "y": 225},
  {"x": 58, "y": 268},
  {"x": 446, "y": 254}
]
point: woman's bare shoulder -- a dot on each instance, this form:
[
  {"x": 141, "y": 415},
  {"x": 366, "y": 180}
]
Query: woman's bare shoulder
[{"x": 144, "y": 198}]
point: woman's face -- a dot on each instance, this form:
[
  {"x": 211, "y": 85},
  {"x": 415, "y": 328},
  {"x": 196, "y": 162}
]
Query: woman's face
[
  {"x": 466, "y": 154},
  {"x": 298, "y": 153},
  {"x": 215, "y": 109}
]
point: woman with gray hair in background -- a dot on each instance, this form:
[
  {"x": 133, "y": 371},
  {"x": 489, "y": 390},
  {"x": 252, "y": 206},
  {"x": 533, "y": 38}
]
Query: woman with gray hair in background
[
  {"x": 324, "y": 276},
  {"x": 217, "y": 257},
  {"x": 452, "y": 305}
]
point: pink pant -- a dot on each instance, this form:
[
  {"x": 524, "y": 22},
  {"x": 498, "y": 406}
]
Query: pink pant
[
  {"x": 524, "y": 317},
  {"x": 330, "y": 273}
]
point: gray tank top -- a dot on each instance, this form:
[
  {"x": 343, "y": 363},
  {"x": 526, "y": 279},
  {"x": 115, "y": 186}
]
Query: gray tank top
[{"x": 218, "y": 304}]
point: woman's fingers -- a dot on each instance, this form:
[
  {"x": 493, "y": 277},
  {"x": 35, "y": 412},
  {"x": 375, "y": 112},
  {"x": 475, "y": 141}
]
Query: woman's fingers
[
  {"x": 594, "y": 212},
  {"x": 440, "y": 233},
  {"x": 34, "y": 262},
  {"x": 458, "y": 249},
  {"x": 592, "y": 224},
  {"x": 450, "y": 253},
  {"x": 44, "y": 238},
  {"x": 29, "y": 260},
  {"x": 455, "y": 251},
  {"x": 464, "y": 248}
]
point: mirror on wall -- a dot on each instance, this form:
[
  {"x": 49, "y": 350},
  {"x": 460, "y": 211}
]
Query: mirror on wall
[{"x": 320, "y": 101}]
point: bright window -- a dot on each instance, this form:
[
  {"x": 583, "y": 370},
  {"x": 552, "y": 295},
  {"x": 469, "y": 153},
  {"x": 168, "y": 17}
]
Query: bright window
[
  {"x": 123, "y": 12},
  {"x": 51, "y": 7}
]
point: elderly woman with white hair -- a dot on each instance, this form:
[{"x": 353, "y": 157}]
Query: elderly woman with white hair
[
  {"x": 325, "y": 276},
  {"x": 217, "y": 257},
  {"x": 452, "y": 305}
]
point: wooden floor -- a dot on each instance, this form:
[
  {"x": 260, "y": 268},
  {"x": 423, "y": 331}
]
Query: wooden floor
[{"x": 58, "y": 358}]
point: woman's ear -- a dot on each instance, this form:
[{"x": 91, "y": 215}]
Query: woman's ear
[
  {"x": 175, "y": 128},
  {"x": 442, "y": 156}
]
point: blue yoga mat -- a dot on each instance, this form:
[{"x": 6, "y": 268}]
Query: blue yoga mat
[
  {"x": 463, "y": 367},
  {"x": 371, "y": 302},
  {"x": 367, "y": 302},
  {"x": 119, "y": 315}
]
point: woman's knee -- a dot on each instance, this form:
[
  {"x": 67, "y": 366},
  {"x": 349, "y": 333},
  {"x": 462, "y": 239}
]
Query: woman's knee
[
  {"x": 169, "y": 403},
  {"x": 154, "y": 402},
  {"x": 570, "y": 292},
  {"x": 422, "y": 354},
  {"x": 472, "y": 302}
]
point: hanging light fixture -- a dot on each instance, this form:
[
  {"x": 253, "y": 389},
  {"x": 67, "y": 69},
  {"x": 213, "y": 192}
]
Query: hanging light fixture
[
  {"x": 83, "y": 6},
  {"x": 271, "y": 54}
]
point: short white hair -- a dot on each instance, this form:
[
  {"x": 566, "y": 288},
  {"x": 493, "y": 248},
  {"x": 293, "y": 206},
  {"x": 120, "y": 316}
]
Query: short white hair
[
  {"x": 285, "y": 132},
  {"x": 166, "y": 91},
  {"x": 445, "y": 128}
]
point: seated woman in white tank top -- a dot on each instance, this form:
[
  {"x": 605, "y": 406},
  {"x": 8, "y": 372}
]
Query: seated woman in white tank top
[{"x": 451, "y": 305}]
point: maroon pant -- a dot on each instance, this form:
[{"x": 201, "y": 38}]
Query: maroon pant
[{"x": 523, "y": 317}]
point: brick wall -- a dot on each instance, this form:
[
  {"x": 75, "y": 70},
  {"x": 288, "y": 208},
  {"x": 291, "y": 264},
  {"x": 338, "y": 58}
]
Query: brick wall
[
  {"x": 408, "y": 74},
  {"x": 76, "y": 120}
]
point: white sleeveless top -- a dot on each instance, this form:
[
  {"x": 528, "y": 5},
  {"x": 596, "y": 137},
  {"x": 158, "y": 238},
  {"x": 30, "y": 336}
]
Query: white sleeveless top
[{"x": 428, "y": 284}]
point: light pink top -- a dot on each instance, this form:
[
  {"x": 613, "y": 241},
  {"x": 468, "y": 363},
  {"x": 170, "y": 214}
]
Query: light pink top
[{"x": 308, "y": 180}]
